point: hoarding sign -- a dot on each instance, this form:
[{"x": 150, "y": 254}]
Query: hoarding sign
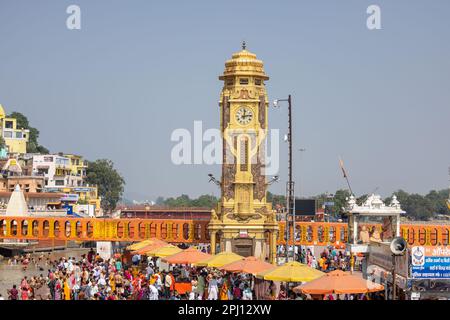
[
  {"x": 104, "y": 249},
  {"x": 430, "y": 262},
  {"x": 71, "y": 197}
]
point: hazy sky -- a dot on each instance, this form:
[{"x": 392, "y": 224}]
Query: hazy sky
[{"x": 137, "y": 70}]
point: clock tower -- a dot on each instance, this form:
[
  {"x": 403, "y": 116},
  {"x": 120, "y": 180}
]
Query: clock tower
[{"x": 243, "y": 221}]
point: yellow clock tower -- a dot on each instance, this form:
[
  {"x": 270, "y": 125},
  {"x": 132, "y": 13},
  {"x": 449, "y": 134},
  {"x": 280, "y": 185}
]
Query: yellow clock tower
[{"x": 244, "y": 222}]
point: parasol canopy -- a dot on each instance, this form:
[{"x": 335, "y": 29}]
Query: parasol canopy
[
  {"x": 250, "y": 265},
  {"x": 219, "y": 260},
  {"x": 164, "y": 251},
  {"x": 339, "y": 282},
  {"x": 156, "y": 243},
  {"x": 291, "y": 272},
  {"x": 139, "y": 245},
  {"x": 188, "y": 256}
]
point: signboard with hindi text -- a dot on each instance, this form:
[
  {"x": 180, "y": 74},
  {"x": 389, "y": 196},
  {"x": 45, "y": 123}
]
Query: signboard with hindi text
[{"x": 430, "y": 262}]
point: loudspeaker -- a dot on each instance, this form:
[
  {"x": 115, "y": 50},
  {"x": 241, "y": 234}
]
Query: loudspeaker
[{"x": 398, "y": 246}]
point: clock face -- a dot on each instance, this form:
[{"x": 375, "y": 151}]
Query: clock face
[{"x": 244, "y": 115}]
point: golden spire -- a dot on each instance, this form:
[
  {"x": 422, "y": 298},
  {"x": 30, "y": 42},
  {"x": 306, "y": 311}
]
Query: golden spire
[{"x": 244, "y": 63}]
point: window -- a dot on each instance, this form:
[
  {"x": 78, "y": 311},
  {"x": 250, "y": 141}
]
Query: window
[
  {"x": 258, "y": 82},
  {"x": 7, "y": 134},
  {"x": 48, "y": 159},
  {"x": 244, "y": 154},
  {"x": 42, "y": 171},
  {"x": 243, "y": 81},
  {"x": 59, "y": 182},
  {"x": 9, "y": 124},
  {"x": 230, "y": 82},
  {"x": 19, "y": 135}
]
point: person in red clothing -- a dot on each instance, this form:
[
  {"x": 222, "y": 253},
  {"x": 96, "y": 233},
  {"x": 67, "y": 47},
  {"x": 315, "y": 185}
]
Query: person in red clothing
[
  {"x": 172, "y": 285},
  {"x": 282, "y": 295}
]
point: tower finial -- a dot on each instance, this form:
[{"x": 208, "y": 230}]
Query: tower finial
[{"x": 243, "y": 45}]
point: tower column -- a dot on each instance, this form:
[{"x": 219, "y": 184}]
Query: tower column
[
  {"x": 213, "y": 242},
  {"x": 273, "y": 246}
]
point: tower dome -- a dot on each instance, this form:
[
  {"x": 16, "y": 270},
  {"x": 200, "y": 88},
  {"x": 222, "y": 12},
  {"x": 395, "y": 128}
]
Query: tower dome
[{"x": 244, "y": 63}]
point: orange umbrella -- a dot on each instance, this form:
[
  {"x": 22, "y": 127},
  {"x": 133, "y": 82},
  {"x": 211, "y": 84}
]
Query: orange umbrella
[
  {"x": 156, "y": 243},
  {"x": 188, "y": 256},
  {"x": 250, "y": 265},
  {"x": 339, "y": 282}
]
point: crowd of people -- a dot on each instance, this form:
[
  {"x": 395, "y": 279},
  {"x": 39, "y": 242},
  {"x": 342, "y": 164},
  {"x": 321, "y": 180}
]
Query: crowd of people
[
  {"x": 94, "y": 278},
  {"x": 141, "y": 278},
  {"x": 330, "y": 259}
]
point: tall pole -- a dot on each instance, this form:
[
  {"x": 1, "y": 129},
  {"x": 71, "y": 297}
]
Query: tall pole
[
  {"x": 290, "y": 182},
  {"x": 394, "y": 285}
]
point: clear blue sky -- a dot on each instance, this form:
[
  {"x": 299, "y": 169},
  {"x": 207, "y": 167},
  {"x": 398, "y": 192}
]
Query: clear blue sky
[{"x": 137, "y": 70}]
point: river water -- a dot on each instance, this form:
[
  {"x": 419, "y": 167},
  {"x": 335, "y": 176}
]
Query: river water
[{"x": 13, "y": 274}]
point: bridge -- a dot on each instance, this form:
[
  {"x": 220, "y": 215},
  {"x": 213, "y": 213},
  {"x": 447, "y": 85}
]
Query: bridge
[{"x": 188, "y": 230}]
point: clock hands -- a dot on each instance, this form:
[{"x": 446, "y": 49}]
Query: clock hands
[{"x": 245, "y": 115}]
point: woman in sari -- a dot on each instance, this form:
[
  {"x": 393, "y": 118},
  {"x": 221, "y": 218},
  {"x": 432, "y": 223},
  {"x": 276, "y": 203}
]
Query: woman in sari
[
  {"x": 224, "y": 290},
  {"x": 58, "y": 289},
  {"x": 66, "y": 289},
  {"x": 112, "y": 281}
]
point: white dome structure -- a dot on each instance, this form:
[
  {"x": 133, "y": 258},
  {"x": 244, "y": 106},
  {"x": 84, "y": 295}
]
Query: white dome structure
[{"x": 17, "y": 205}]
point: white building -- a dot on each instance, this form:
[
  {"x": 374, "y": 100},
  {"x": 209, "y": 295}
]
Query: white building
[{"x": 56, "y": 169}]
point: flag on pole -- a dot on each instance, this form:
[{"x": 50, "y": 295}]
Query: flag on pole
[{"x": 341, "y": 164}]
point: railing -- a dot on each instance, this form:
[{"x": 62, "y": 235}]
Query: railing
[{"x": 188, "y": 231}]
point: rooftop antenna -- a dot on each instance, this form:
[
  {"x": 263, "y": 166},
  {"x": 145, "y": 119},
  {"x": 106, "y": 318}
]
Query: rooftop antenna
[{"x": 341, "y": 164}]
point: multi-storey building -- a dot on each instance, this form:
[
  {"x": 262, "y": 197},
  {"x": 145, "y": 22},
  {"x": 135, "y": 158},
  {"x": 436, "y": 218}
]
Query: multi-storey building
[
  {"x": 15, "y": 138},
  {"x": 14, "y": 173},
  {"x": 78, "y": 168},
  {"x": 56, "y": 169}
]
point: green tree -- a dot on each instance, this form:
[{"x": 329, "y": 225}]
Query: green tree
[
  {"x": 206, "y": 201},
  {"x": 416, "y": 206},
  {"x": 276, "y": 199},
  {"x": 33, "y": 145},
  {"x": 438, "y": 201},
  {"x": 159, "y": 201},
  {"x": 340, "y": 201},
  {"x": 109, "y": 182}
]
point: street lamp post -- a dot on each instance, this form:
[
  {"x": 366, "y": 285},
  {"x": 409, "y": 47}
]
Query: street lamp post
[{"x": 290, "y": 183}]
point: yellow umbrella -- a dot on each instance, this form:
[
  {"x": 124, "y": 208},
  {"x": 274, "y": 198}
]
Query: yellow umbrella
[
  {"x": 219, "y": 260},
  {"x": 140, "y": 245},
  {"x": 164, "y": 251},
  {"x": 291, "y": 272}
]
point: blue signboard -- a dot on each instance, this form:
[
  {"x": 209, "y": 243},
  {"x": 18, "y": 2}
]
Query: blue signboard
[{"x": 430, "y": 262}]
